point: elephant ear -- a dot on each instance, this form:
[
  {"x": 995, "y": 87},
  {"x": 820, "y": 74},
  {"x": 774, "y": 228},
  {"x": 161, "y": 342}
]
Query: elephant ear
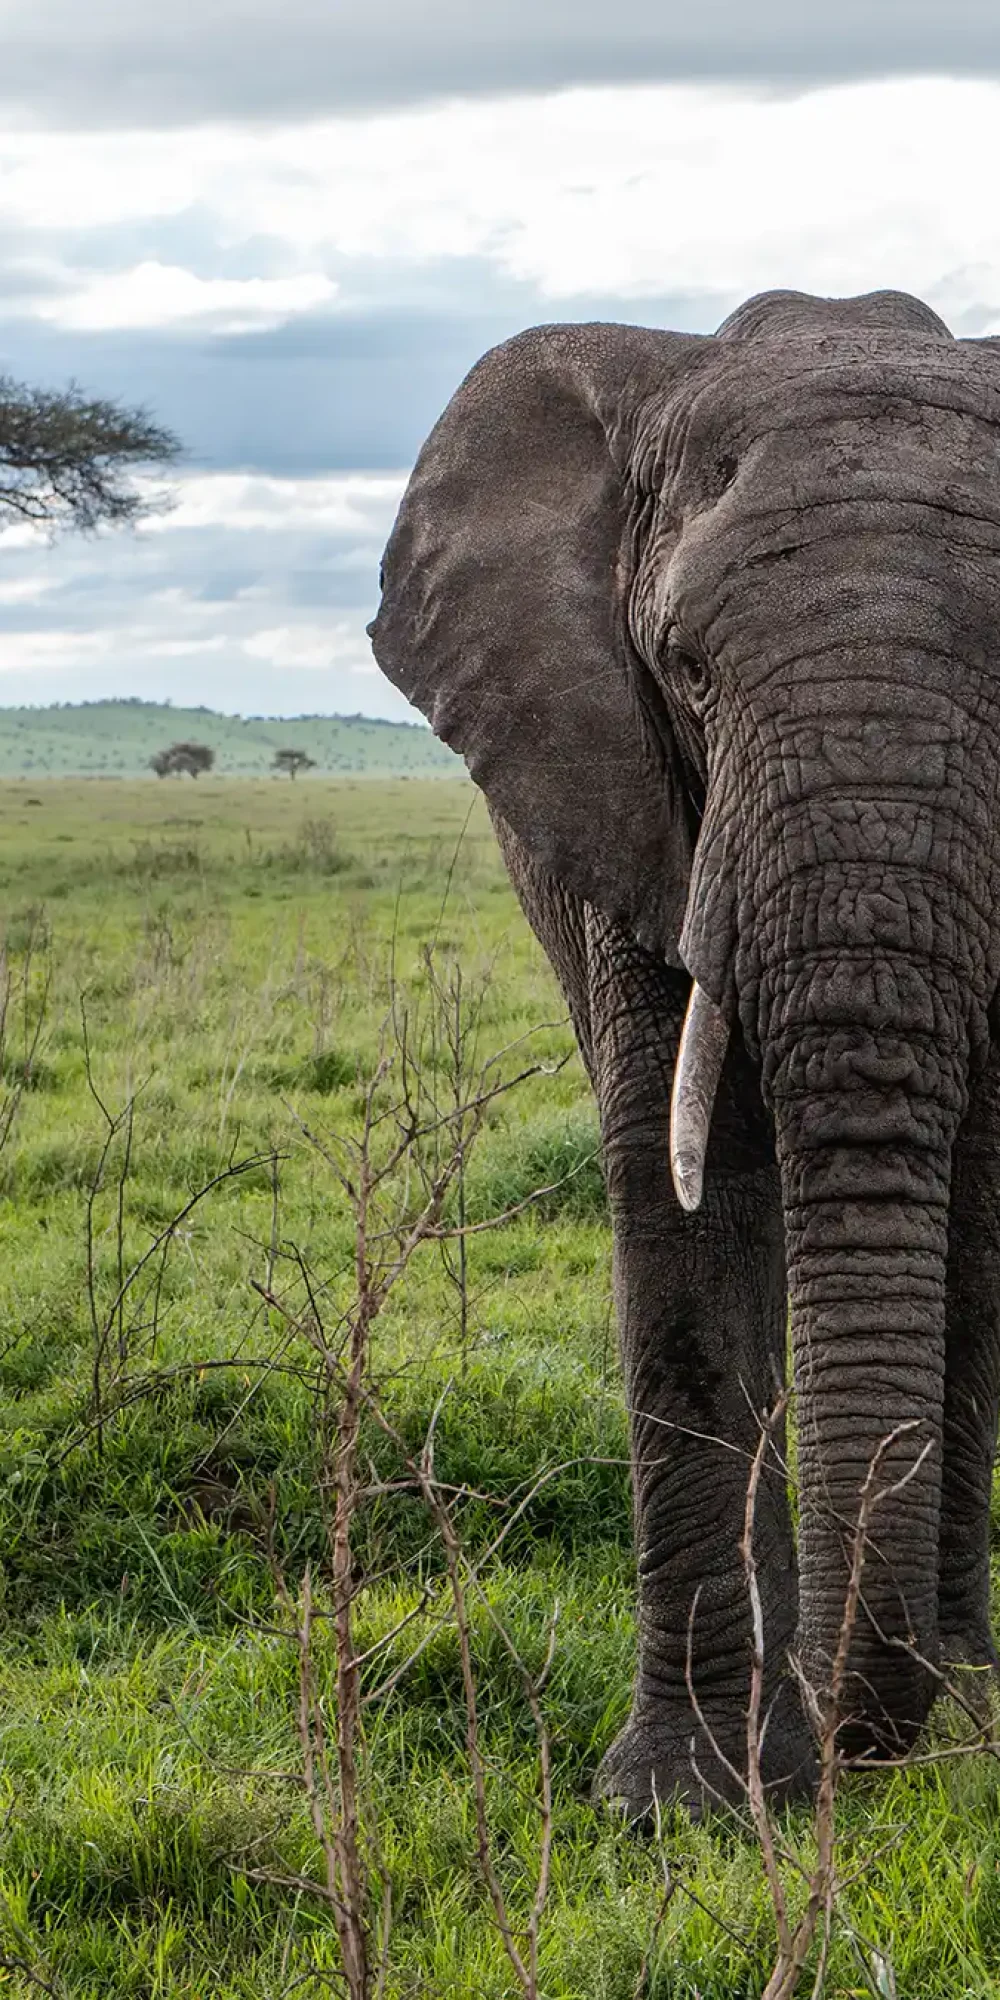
[{"x": 504, "y": 616}]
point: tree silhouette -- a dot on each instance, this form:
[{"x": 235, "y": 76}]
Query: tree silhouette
[
  {"x": 181, "y": 758},
  {"x": 65, "y": 458},
  {"x": 293, "y": 761}
]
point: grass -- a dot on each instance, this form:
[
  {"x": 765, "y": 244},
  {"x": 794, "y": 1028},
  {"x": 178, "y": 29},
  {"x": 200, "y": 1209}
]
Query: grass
[{"x": 224, "y": 957}]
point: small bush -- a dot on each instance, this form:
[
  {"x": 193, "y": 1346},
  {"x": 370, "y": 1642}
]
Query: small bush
[
  {"x": 314, "y": 851},
  {"x": 153, "y": 859}
]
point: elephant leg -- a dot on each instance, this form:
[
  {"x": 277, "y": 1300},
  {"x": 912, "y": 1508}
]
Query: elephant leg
[
  {"x": 702, "y": 1329},
  {"x": 972, "y": 1380},
  {"x": 701, "y": 1307}
]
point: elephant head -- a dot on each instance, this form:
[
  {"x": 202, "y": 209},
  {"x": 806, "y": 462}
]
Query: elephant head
[{"x": 715, "y": 622}]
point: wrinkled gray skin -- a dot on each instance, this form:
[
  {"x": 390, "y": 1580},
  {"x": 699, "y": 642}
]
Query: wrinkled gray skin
[{"x": 715, "y": 622}]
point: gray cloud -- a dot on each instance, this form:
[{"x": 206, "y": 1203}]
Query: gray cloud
[
  {"x": 253, "y": 596},
  {"x": 325, "y": 391},
  {"x": 267, "y": 614},
  {"x": 119, "y": 64},
  {"x": 305, "y": 399},
  {"x": 348, "y": 393}
]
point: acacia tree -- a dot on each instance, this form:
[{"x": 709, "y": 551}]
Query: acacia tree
[
  {"x": 183, "y": 758},
  {"x": 293, "y": 761},
  {"x": 67, "y": 460},
  {"x": 192, "y": 758}
]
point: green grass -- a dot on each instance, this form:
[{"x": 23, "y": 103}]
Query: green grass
[
  {"x": 224, "y": 955},
  {"x": 117, "y": 739}
]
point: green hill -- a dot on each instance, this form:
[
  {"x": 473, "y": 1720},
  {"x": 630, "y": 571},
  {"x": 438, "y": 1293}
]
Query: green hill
[{"x": 116, "y": 739}]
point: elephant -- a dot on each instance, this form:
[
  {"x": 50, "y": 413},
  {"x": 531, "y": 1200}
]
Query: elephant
[{"x": 715, "y": 622}]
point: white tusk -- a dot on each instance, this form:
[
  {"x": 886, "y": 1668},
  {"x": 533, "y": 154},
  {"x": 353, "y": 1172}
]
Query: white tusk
[{"x": 702, "y": 1052}]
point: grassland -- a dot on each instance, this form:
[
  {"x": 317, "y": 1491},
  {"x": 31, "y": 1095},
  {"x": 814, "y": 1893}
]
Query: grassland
[
  {"x": 116, "y": 739},
  {"x": 222, "y": 957}
]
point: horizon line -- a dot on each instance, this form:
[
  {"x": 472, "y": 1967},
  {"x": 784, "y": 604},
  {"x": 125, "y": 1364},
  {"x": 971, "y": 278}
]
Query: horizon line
[{"x": 202, "y": 708}]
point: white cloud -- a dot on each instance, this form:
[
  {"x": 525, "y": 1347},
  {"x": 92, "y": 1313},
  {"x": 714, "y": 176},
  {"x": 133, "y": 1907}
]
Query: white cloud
[
  {"x": 164, "y": 295},
  {"x": 23, "y": 589},
  {"x": 360, "y": 503},
  {"x": 154, "y": 644},
  {"x": 680, "y": 188},
  {"x": 313, "y": 646},
  {"x": 24, "y": 535},
  {"x": 22, "y": 650},
  {"x": 254, "y": 591},
  {"x": 252, "y": 595},
  {"x": 281, "y": 646}
]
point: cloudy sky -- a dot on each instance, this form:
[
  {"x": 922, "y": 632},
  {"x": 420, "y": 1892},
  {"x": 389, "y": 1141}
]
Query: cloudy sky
[{"x": 289, "y": 226}]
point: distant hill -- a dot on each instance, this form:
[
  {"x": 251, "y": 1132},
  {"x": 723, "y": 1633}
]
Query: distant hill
[{"x": 116, "y": 739}]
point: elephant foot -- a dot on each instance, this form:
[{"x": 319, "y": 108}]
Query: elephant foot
[
  {"x": 968, "y": 1643},
  {"x": 971, "y": 1667},
  {"x": 662, "y": 1760}
]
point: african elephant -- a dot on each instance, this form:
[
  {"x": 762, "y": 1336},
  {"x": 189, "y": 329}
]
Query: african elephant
[{"x": 715, "y": 622}]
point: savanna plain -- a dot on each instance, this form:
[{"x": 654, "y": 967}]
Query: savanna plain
[{"x": 212, "y": 989}]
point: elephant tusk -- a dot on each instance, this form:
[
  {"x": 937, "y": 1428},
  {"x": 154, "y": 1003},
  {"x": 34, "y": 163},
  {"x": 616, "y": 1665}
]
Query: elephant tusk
[{"x": 702, "y": 1052}]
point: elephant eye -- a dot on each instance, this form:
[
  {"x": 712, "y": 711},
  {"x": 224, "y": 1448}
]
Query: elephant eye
[{"x": 688, "y": 669}]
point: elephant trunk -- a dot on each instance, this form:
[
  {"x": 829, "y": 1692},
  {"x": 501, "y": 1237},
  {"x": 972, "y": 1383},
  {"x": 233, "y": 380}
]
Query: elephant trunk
[
  {"x": 864, "y": 1062},
  {"x": 840, "y": 908}
]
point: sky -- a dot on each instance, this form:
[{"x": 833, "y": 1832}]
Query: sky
[{"x": 288, "y": 228}]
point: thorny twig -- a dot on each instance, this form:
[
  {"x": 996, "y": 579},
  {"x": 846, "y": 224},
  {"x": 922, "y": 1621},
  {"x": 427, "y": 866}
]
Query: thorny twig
[
  {"x": 525, "y": 1968},
  {"x": 434, "y": 1144},
  {"x": 107, "y": 1320}
]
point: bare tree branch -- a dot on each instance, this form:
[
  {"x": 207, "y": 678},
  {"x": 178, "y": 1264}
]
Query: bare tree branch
[{"x": 67, "y": 460}]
